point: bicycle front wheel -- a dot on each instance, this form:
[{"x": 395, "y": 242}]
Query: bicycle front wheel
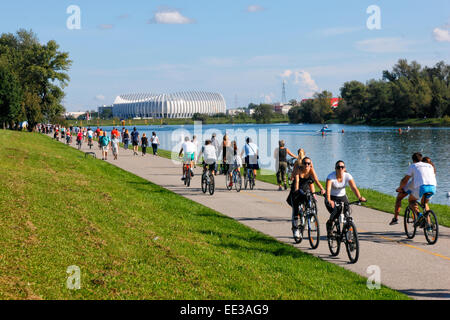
[
  {"x": 238, "y": 182},
  {"x": 431, "y": 227},
  {"x": 228, "y": 182},
  {"x": 212, "y": 185},
  {"x": 409, "y": 223},
  {"x": 252, "y": 181},
  {"x": 313, "y": 230},
  {"x": 351, "y": 242},
  {"x": 334, "y": 239},
  {"x": 204, "y": 184}
]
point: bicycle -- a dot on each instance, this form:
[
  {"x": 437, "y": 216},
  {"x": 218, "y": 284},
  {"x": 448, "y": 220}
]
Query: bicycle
[
  {"x": 249, "y": 179},
  {"x": 290, "y": 170},
  {"x": 208, "y": 182},
  {"x": 348, "y": 235},
  {"x": 308, "y": 218},
  {"x": 236, "y": 177},
  {"x": 427, "y": 221},
  {"x": 187, "y": 174}
]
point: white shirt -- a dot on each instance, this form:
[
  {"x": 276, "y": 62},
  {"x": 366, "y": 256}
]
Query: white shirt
[
  {"x": 250, "y": 149},
  {"x": 423, "y": 174},
  {"x": 209, "y": 154},
  {"x": 338, "y": 188},
  {"x": 155, "y": 140},
  {"x": 90, "y": 133},
  {"x": 188, "y": 147},
  {"x": 115, "y": 143}
]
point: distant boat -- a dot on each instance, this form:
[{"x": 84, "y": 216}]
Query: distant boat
[{"x": 325, "y": 130}]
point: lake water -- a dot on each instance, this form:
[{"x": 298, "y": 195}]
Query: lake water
[{"x": 377, "y": 157}]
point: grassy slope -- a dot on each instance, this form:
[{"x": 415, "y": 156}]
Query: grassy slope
[{"x": 133, "y": 239}]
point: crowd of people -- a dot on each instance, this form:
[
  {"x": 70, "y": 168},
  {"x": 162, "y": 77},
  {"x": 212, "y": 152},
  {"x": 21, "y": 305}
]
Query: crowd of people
[
  {"x": 419, "y": 182},
  {"x": 105, "y": 142}
]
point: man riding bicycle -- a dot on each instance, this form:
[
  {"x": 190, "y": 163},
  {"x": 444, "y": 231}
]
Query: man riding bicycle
[
  {"x": 188, "y": 148},
  {"x": 424, "y": 185},
  {"x": 209, "y": 156}
]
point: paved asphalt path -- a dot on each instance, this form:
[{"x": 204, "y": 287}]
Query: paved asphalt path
[{"x": 410, "y": 266}]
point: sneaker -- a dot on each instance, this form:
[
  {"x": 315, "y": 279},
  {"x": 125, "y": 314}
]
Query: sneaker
[
  {"x": 394, "y": 222},
  {"x": 297, "y": 234}
]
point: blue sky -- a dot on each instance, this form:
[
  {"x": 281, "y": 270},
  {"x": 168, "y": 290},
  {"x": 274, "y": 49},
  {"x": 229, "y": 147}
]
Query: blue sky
[{"x": 243, "y": 49}]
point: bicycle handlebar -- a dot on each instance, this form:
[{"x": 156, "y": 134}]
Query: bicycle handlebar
[{"x": 358, "y": 203}]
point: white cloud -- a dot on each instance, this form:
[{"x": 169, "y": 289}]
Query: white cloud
[
  {"x": 338, "y": 31},
  {"x": 383, "y": 45},
  {"x": 441, "y": 34},
  {"x": 106, "y": 26},
  {"x": 100, "y": 97},
  {"x": 268, "y": 98},
  {"x": 170, "y": 16},
  {"x": 255, "y": 8},
  {"x": 307, "y": 85}
]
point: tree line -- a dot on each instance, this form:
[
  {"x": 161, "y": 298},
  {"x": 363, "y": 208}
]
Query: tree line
[
  {"x": 407, "y": 91},
  {"x": 32, "y": 79}
]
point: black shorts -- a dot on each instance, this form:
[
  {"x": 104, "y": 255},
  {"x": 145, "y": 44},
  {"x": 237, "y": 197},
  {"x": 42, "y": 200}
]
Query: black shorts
[
  {"x": 135, "y": 143},
  {"x": 211, "y": 166},
  {"x": 251, "y": 162}
]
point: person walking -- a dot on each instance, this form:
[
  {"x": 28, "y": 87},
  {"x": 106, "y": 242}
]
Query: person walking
[
  {"x": 155, "y": 143},
  {"x": 281, "y": 163},
  {"x": 104, "y": 142},
  {"x": 216, "y": 144},
  {"x": 126, "y": 139},
  {"x": 135, "y": 141},
  {"x": 195, "y": 142},
  {"x": 115, "y": 146},
  {"x": 144, "y": 144}
]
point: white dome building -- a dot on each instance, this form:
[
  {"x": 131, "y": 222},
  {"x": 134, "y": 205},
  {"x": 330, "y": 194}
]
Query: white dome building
[{"x": 176, "y": 105}]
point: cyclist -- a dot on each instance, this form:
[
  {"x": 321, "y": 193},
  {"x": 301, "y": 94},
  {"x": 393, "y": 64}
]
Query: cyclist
[
  {"x": 250, "y": 152},
  {"x": 188, "y": 148},
  {"x": 425, "y": 184},
  {"x": 405, "y": 191},
  {"x": 304, "y": 180},
  {"x": 68, "y": 137},
  {"x": 280, "y": 156},
  {"x": 90, "y": 135},
  {"x": 209, "y": 156},
  {"x": 336, "y": 183}
]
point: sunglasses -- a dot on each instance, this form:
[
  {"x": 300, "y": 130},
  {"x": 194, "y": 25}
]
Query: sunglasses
[
  {"x": 306, "y": 163},
  {"x": 340, "y": 167}
]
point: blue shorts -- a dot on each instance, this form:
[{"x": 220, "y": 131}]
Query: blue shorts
[
  {"x": 427, "y": 189},
  {"x": 188, "y": 157}
]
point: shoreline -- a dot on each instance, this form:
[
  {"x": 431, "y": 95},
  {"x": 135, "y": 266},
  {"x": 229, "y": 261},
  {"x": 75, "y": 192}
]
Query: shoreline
[{"x": 432, "y": 122}]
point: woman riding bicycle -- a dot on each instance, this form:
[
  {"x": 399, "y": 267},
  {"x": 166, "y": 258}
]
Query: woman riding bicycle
[
  {"x": 304, "y": 180},
  {"x": 336, "y": 183}
]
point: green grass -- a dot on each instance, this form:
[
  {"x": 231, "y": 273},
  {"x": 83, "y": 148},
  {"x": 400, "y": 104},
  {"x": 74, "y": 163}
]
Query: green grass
[{"x": 135, "y": 240}]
